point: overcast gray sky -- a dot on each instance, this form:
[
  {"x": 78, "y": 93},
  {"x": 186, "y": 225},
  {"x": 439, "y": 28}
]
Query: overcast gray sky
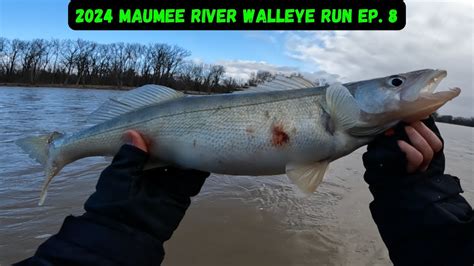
[{"x": 438, "y": 34}]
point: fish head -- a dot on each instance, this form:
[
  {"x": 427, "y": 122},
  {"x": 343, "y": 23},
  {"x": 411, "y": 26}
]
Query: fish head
[{"x": 408, "y": 97}]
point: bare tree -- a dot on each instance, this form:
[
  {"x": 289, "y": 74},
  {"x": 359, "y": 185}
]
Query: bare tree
[
  {"x": 132, "y": 64},
  {"x": 84, "y": 59},
  {"x": 260, "y": 77},
  {"x": 120, "y": 55},
  {"x": 230, "y": 84},
  {"x": 101, "y": 63},
  {"x": 68, "y": 57},
  {"x": 54, "y": 49},
  {"x": 13, "y": 54},
  {"x": 165, "y": 60},
  {"x": 119, "y": 64},
  {"x": 33, "y": 58},
  {"x": 4, "y": 46},
  {"x": 216, "y": 73}
]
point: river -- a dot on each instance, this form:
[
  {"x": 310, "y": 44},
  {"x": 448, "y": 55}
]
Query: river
[{"x": 233, "y": 221}]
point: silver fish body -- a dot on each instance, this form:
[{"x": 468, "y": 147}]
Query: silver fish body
[
  {"x": 239, "y": 134},
  {"x": 285, "y": 126}
]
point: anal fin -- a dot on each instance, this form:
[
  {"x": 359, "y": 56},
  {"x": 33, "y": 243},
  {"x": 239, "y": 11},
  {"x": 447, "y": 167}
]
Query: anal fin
[{"x": 307, "y": 176}]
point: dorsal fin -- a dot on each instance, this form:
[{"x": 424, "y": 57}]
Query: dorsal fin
[
  {"x": 133, "y": 100},
  {"x": 281, "y": 83}
]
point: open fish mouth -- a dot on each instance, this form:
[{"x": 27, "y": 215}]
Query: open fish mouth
[
  {"x": 434, "y": 82},
  {"x": 440, "y": 95},
  {"x": 427, "y": 94},
  {"x": 422, "y": 82},
  {"x": 427, "y": 101}
]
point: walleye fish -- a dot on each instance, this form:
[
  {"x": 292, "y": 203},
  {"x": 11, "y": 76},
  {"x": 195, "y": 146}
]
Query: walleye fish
[{"x": 287, "y": 125}]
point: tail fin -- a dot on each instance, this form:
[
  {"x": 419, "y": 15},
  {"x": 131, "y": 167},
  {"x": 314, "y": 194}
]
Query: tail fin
[{"x": 40, "y": 149}]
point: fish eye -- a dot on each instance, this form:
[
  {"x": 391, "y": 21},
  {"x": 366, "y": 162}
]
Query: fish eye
[{"x": 396, "y": 81}]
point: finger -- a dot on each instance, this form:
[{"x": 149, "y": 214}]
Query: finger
[
  {"x": 421, "y": 145},
  {"x": 134, "y": 138},
  {"x": 414, "y": 157},
  {"x": 428, "y": 135}
]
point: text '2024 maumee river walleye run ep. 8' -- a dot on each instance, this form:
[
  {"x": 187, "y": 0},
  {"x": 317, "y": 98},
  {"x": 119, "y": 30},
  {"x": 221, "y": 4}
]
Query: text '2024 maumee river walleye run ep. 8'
[{"x": 237, "y": 15}]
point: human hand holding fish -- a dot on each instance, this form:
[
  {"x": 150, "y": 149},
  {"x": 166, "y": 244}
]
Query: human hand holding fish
[
  {"x": 423, "y": 145},
  {"x": 405, "y": 150},
  {"x": 134, "y": 138}
]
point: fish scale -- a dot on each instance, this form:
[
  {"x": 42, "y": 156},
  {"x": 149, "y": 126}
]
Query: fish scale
[{"x": 288, "y": 125}]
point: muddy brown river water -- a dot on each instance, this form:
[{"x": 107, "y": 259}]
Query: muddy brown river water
[{"x": 235, "y": 220}]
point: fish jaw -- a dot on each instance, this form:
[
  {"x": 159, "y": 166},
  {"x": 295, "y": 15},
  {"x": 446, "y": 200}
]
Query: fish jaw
[
  {"x": 426, "y": 104},
  {"x": 423, "y": 81},
  {"x": 418, "y": 102},
  {"x": 411, "y": 111},
  {"x": 415, "y": 101}
]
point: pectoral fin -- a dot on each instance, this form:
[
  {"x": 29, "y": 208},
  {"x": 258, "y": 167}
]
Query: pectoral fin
[
  {"x": 342, "y": 106},
  {"x": 307, "y": 176}
]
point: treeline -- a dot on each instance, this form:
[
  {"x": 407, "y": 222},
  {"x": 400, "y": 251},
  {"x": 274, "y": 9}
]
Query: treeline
[
  {"x": 463, "y": 121},
  {"x": 81, "y": 62}
]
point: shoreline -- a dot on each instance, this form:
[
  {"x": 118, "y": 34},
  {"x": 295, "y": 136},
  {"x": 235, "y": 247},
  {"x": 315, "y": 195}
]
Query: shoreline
[
  {"x": 85, "y": 87},
  {"x": 127, "y": 88},
  {"x": 68, "y": 86}
]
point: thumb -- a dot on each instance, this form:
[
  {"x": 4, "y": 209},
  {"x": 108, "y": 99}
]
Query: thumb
[{"x": 134, "y": 138}]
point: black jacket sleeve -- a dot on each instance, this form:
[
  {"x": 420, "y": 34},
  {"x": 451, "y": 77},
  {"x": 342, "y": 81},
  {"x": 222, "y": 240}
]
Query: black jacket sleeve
[
  {"x": 421, "y": 217},
  {"x": 127, "y": 219}
]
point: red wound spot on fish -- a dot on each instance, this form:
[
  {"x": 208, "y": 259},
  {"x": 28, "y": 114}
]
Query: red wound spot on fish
[{"x": 279, "y": 136}]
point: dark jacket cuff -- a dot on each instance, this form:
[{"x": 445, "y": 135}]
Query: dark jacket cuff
[
  {"x": 96, "y": 240},
  {"x": 152, "y": 201}
]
